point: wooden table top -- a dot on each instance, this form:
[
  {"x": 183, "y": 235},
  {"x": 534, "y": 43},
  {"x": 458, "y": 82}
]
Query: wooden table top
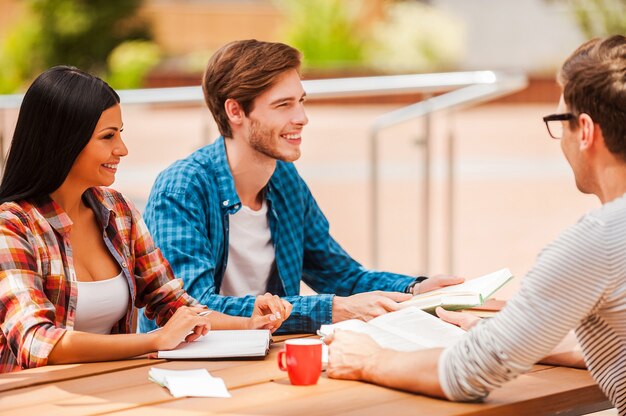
[{"x": 258, "y": 387}]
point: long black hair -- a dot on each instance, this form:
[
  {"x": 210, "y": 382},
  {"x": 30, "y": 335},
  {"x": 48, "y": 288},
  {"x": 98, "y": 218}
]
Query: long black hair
[{"x": 57, "y": 118}]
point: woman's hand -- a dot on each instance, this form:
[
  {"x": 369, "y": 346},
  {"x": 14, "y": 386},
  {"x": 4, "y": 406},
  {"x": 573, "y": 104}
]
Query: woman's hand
[
  {"x": 185, "y": 325},
  {"x": 270, "y": 311}
]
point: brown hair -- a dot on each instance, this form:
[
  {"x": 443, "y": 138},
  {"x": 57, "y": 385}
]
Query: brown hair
[
  {"x": 242, "y": 70},
  {"x": 593, "y": 79}
]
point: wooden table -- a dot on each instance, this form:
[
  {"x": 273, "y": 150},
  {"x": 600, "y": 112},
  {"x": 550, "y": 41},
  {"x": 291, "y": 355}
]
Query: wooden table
[{"x": 258, "y": 387}]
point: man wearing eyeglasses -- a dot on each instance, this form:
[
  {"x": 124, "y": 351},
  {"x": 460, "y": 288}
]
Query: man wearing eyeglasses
[{"x": 577, "y": 283}]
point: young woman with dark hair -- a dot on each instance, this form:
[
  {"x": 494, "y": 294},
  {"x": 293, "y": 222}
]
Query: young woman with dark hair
[{"x": 75, "y": 257}]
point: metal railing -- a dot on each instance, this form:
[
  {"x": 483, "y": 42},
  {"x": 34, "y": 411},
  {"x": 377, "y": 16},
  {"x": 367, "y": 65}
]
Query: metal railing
[
  {"x": 487, "y": 85},
  {"x": 456, "y": 89}
]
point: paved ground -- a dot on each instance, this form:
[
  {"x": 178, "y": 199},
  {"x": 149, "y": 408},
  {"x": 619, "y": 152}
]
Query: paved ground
[{"x": 513, "y": 191}]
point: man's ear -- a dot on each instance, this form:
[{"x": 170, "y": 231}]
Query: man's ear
[
  {"x": 234, "y": 111},
  {"x": 587, "y": 131}
]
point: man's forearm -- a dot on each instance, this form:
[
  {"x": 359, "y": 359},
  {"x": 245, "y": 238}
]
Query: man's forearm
[
  {"x": 341, "y": 309},
  {"x": 410, "y": 371},
  {"x": 566, "y": 358},
  {"x": 228, "y": 305},
  {"x": 307, "y": 315},
  {"x": 568, "y": 353},
  {"x": 223, "y": 321}
]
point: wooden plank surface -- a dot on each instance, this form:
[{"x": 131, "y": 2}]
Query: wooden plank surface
[
  {"x": 553, "y": 390},
  {"x": 259, "y": 387},
  {"x": 129, "y": 387},
  {"x": 55, "y": 373}
]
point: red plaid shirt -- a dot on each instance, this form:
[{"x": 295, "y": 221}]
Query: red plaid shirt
[{"x": 38, "y": 287}]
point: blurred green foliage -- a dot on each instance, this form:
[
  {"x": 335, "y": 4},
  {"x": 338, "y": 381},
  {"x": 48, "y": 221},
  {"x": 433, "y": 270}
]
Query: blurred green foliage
[
  {"x": 431, "y": 40},
  {"x": 70, "y": 32},
  {"x": 600, "y": 17},
  {"x": 338, "y": 34},
  {"x": 17, "y": 60},
  {"x": 327, "y": 32},
  {"x": 130, "y": 61}
]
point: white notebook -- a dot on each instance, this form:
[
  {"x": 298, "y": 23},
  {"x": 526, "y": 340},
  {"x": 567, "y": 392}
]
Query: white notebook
[{"x": 223, "y": 344}]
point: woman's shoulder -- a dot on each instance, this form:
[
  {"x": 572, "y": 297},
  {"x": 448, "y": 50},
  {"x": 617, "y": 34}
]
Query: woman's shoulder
[
  {"x": 14, "y": 210},
  {"x": 13, "y": 206},
  {"x": 17, "y": 216}
]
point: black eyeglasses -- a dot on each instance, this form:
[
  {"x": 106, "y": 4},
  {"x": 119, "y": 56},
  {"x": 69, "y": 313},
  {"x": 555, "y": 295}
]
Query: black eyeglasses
[{"x": 555, "y": 125}]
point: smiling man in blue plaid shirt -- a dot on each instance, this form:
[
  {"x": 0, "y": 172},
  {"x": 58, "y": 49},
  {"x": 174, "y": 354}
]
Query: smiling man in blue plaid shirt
[{"x": 235, "y": 219}]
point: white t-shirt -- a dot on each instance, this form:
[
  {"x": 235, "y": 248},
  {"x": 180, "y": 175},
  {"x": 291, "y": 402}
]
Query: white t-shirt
[
  {"x": 101, "y": 304},
  {"x": 250, "y": 253}
]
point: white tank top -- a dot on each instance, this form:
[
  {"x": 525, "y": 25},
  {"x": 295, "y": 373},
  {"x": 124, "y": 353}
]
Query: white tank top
[
  {"x": 250, "y": 253},
  {"x": 101, "y": 304}
]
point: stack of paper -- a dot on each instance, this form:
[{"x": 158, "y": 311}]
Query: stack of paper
[{"x": 189, "y": 383}]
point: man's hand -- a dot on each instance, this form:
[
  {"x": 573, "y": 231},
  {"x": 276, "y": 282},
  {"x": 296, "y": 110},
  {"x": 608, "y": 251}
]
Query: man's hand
[
  {"x": 463, "y": 320},
  {"x": 354, "y": 356},
  {"x": 349, "y": 354},
  {"x": 436, "y": 282},
  {"x": 270, "y": 311},
  {"x": 366, "y": 306}
]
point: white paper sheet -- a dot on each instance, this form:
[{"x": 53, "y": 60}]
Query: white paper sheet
[{"x": 189, "y": 383}]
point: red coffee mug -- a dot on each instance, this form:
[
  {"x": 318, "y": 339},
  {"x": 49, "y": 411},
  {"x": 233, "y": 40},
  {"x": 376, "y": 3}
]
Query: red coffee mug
[{"x": 303, "y": 360}]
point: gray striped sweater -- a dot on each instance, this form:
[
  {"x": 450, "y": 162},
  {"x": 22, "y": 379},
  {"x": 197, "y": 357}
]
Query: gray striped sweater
[{"x": 578, "y": 282}]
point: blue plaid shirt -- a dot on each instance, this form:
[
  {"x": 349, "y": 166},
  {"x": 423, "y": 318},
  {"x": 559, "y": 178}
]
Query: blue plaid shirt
[{"x": 187, "y": 213}]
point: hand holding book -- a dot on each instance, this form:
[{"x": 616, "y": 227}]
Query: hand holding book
[
  {"x": 463, "y": 320},
  {"x": 436, "y": 282},
  {"x": 471, "y": 293}
]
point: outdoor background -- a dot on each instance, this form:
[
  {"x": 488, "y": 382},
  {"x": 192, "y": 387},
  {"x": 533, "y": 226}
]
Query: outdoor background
[{"x": 513, "y": 190}]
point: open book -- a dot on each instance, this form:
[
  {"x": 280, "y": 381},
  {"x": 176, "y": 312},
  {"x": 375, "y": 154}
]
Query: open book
[
  {"x": 223, "y": 344},
  {"x": 408, "y": 329},
  {"x": 468, "y": 294}
]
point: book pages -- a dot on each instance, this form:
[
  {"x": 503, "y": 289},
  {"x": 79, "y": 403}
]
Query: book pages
[
  {"x": 419, "y": 327},
  {"x": 384, "y": 338},
  {"x": 471, "y": 293},
  {"x": 408, "y": 329}
]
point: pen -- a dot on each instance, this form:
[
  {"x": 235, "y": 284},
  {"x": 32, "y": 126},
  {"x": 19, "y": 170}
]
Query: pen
[{"x": 203, "y": 313}]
